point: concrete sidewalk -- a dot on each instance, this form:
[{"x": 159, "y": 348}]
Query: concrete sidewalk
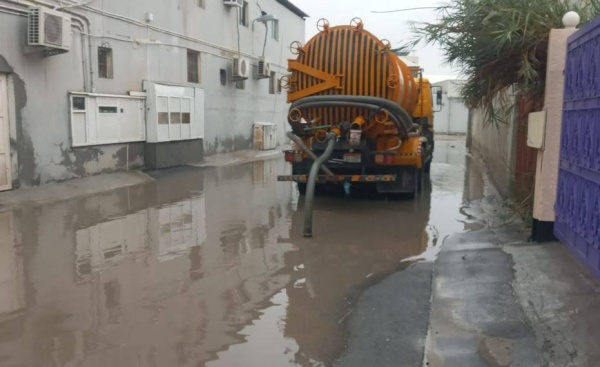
[
  {"x": 59, "y": 191},
  {"x": 488, "y": 298},
  {"x": 500, "y": 301},
  {"x": 240, "y": 157}
]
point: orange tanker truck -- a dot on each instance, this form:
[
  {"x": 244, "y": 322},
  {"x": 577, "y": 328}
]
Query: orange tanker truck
[{"x": 358, "y": 115}]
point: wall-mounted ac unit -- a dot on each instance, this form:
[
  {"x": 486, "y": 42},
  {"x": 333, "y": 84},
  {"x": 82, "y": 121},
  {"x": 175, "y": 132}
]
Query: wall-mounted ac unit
[
  {"x": 236, "y": 3},
  {"x": 241, "y": 68},
  {"x": 49, "y": 29},
  {"x": 264, "y": 68}
]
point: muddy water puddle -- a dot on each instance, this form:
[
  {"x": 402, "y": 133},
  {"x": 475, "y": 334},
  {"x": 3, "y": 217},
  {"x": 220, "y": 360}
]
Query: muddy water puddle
[{"x": 209, "y": 267}]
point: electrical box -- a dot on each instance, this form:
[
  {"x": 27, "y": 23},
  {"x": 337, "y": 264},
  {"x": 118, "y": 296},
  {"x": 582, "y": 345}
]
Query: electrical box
[
  {"x": 265, "y": 135},
  {"x": 536, "y": 129}
]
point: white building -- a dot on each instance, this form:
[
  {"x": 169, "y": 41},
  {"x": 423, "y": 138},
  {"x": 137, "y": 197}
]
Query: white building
[
  {"x": 136, "y": 83},
  {"x": 453, "y": 118}
]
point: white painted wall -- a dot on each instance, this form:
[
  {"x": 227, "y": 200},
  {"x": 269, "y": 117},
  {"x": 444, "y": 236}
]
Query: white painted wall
[
  {"x": 41, "y": 140},
  {"x": 495, "y": 145}
]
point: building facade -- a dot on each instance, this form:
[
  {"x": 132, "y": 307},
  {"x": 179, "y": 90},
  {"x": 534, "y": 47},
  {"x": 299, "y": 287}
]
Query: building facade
[
  {"x": 453, "y": 117},
  {"x": 136, "y": 84}
]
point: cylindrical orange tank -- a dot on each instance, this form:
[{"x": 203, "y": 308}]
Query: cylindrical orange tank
[{"x": 348, "y": 60}]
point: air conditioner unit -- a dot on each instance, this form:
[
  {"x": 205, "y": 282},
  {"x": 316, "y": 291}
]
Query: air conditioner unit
[
  {"x": 236, "y": 3},
  {"x": 241, "y": 68},
  {"x": 264, "y": 68},
  {"x": 265, "y": 135},
  {"x": 49, "y": 29}
]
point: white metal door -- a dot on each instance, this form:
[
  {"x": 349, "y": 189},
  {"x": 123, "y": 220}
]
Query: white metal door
[{"x": 5, "y": 172}]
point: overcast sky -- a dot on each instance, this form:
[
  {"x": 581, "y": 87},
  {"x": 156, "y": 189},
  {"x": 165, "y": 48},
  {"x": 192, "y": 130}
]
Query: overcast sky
[{"x": 392, "y": 26}]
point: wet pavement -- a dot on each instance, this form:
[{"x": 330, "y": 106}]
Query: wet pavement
[{"x": 208, "y": 266}]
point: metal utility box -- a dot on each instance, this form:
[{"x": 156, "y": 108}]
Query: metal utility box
[
  {"x": 536, "y": 129},
  {"x": 265, "y": 135}
]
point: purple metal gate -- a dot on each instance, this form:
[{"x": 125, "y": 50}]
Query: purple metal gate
[{"x": 578, "y": 199}]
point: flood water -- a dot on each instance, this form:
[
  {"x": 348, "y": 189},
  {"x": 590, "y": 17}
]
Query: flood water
[{"x": 209, "y": 267}]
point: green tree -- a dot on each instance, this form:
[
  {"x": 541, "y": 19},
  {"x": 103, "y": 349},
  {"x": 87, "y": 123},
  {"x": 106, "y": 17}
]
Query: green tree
[{"x": 499, "y": 44}]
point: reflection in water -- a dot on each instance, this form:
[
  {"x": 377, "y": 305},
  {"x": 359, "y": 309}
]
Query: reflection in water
[
  {"x": 12, "y": 296},
  {"x": 455, "y": 182},
  {"x": 143, "y": 276},
  {"x": 264, "y": 340},
  {"x": 203, "y": 267}
]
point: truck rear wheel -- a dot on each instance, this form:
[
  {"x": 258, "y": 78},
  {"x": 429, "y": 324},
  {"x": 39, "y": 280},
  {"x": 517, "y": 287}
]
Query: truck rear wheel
[
  {"x": 427, "y": 167},
  {"x": 302, "y": 188}
]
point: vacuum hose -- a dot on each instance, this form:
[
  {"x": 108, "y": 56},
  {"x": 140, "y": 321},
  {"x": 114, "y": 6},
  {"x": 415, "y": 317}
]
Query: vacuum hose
[
  {"x": 402, "y": 120},
  {"x": 306, "y": 150},
  {"x": 312, "y": 181}
]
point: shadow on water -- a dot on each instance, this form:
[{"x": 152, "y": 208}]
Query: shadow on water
[{"x": 206, "y": 267}]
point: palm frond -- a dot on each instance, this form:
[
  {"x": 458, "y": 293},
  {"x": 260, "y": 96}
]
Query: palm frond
[{"x": 499, "y": 45}]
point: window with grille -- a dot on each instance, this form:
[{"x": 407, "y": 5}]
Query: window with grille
[
  {"x": 105, "y": 63},
  {"x": 272, "y": 82},
  {"x": 275, "y": 29},
  {"x": 244, "y": 14},
  {"x": 193, "y": 66}
]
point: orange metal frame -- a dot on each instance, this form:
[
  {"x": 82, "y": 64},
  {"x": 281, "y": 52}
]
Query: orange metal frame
[{"x": 329, "y": 80}]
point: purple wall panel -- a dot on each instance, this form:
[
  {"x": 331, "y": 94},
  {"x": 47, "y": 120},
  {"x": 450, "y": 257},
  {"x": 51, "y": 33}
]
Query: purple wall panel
[{"x": 578, "y": 198}]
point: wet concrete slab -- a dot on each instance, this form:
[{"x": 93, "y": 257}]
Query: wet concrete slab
[
  {"x": 208, "y": 266},
  {"x": 476, "y": 317},
  {"x": 561, "y": 299}
]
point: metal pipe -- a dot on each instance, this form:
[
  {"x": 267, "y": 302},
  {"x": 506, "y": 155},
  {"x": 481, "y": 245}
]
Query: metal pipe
[
  {"x": 293, "y": 137},
  {"x": 14, "y": 11},
  {"x": 312, "y": 181}
]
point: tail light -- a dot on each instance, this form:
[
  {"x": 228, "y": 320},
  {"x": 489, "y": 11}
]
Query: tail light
[
  {"x": 289, "y": 157},
  {"x": 385, "y": 158},
  {"x": 293, "y": 157}
]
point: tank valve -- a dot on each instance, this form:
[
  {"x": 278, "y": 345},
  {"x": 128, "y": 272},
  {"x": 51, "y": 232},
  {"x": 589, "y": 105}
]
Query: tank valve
[
  {"x": 323, "y": 25},
  {"x": 356, "y": 131},
  {"x": 321, "y": 135}
]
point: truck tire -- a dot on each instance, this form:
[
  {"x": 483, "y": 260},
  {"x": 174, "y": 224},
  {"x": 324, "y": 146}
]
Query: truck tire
[
  {"x": 427, "y": 167},
  {"x": 418, "y": 182},
  {"x": 302, "y": 188}
]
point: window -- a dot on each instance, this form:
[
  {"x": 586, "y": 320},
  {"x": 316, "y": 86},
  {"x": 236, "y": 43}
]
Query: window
[
  {"x": 107, "y": 109},
  {"x": 173, "y": 110},
  {"x": 162, "y": 108},
  {"x": 193, "y": 66},
  {"x": 200, "y": 3},
  {"x": 105, "y": 63},
  {"x": 275, "y": 29},
  {"x": 223, "y": 76},
  {"x": 78, "y": 104},
  {"x": 272, "y": 82},
  {"x": 240, "y": 84},
  {"x": 244, "y": 15}
]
